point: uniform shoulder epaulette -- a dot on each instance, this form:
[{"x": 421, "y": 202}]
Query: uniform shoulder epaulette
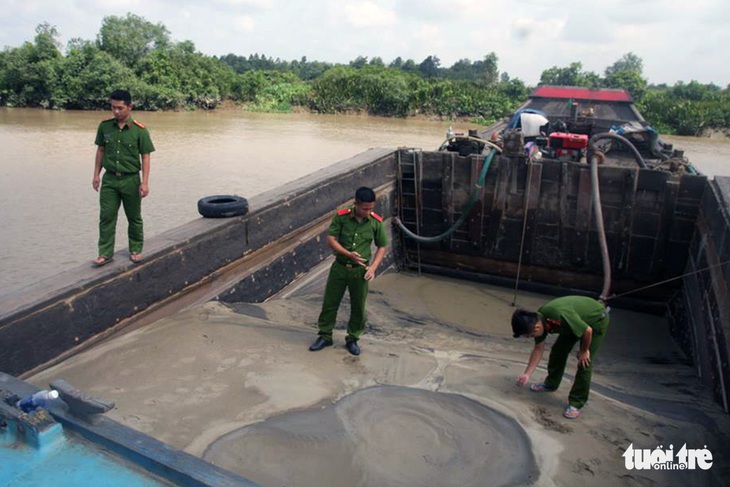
[
  {"x": 344, "y": 211},
  {"x": 376, "y": 216},
  {"x": 139, "y": 124}
]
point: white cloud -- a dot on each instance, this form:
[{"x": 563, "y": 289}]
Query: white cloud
[
  {"x": 263, "y": 4},
  {"x": 244, "y": 23},
  {"x": 368, "y": 14}
]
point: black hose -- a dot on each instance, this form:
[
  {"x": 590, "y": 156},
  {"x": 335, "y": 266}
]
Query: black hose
[{"x": 608, "y": 135}]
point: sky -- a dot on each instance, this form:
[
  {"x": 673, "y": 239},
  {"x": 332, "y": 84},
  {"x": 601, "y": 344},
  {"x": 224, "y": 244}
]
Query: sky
[{"x": 676, "y": 40}]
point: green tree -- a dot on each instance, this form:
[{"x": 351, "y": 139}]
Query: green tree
[
  {"x": 461, "y": 69},
  {"x": 376, "y": 61},
  {"x": 628, "y": 62},
  {"x": 202, "y": 80},
  {"x": 131, "y": 38},
  {"x": 626, "y": 73},
  {"x": 29, "y": 74},
  {"x": 429, "y": 67},
  {"x": 359, "y": 62},
  {"x": 88, "y": 75},
  {"x": 487, "y": 69},
  {"x": 46, "y": 47},
  {"x": 409, "y": 66},
  {"x": 397, "y": 63},
  {"x": 572, "y": 75}
]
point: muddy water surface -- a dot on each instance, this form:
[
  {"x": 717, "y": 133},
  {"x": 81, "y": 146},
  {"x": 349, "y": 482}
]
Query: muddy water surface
[{"x": 49, "y": 211}]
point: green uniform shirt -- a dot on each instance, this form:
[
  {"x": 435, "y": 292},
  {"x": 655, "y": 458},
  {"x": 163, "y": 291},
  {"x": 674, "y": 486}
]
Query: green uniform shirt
[
  {"x": 357, "y": 236},
  {"x": 571, "y": 314},
  {"x": 123, "y": 147}
]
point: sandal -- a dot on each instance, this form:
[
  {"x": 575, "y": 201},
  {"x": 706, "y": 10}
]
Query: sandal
[
  {"x": 101, "y": 260},
  {"x": 541, "y": 387},
  {"x": 135, "y": 257},
  {"x": 571, "y": 412}
]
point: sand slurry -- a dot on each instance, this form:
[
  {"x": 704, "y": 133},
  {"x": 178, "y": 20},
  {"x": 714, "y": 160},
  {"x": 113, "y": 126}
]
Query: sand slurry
[{"x": 431, "y": 401}]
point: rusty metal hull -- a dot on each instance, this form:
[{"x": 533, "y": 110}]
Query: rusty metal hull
[{"x": 540, "y": 216}]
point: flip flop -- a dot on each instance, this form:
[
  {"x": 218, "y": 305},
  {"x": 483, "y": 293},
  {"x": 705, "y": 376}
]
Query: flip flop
[
  {"x": 101, "y": 260},
  {"x": 571, "y": 412},
  {"x": 541, "y": 387},
  {"x": 135, "y": 257}
]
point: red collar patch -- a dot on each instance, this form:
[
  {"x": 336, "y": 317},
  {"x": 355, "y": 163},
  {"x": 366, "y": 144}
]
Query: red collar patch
[{"x": 551, "y": 325}]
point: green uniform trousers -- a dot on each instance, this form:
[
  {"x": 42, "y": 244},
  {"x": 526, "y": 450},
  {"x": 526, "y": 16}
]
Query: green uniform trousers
[
  {"x": 559, "y": 356},
  {"x": 343, "y": 277},
  {"x": 116, "y": 190}
]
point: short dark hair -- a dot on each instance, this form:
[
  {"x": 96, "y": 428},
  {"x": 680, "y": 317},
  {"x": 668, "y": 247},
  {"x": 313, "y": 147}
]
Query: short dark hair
[
  {"x": 121, "y": 95},
  {"x": 523, "y": 322},
  {"x": 364, "y": 195}
]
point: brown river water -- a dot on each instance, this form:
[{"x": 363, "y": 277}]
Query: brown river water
[{"x": 49, "y": 211}]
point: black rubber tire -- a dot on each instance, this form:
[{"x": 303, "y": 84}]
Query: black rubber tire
[{"x": 222, "y": 206}]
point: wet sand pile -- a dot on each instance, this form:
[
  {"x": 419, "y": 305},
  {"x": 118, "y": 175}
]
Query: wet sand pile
[
  {"x": 431, "y": 400},
  {"x": 383, "y": 435}
]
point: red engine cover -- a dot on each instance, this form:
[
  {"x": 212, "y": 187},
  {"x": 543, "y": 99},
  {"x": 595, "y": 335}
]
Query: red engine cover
[{"x": 560, "y": 140}]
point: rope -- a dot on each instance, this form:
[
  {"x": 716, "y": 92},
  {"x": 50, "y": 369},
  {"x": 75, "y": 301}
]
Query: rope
[
  {"x": 668, "y": 280},
  {"x": 524, "y": 229}
]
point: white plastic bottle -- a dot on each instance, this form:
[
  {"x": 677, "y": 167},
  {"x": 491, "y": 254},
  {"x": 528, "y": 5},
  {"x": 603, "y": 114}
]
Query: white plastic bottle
[{"x": 38, "y": 400}]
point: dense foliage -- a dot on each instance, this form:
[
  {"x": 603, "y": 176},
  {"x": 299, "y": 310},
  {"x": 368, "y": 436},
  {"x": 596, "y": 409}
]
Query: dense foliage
[{"x": 133, "y": 53}]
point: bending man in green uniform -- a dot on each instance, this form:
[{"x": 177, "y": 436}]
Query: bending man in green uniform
[
  {"x": 123, "y": 149},
  {"x": 574, "y": 319},
  {"x": 351, "y": 235}
]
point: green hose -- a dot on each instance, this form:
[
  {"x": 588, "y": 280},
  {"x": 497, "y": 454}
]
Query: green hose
[{"x": 464, "y": 214}]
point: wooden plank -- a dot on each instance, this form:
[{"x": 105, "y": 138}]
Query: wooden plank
[
  {"x": 620, "y": 261},
  {"x": 447, "y": 195},
  {"x": 474, "y": 222},
  {"x": 532, "y": 196},
  {"x": 583, "y": 219},
  {"x": 498, "y": 205},
  {"x": 671, "y": 190}
]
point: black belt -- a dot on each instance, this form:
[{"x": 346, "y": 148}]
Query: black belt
[
  {"x": 120, "y": 174},
  {"x": 350, "y": 264}
]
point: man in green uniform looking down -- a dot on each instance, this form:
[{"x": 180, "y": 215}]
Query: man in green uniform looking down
[
  {"x": 350, "y": 236},
  {"x": 123, "y": 149},
  {"x": 573, "y": 318}
]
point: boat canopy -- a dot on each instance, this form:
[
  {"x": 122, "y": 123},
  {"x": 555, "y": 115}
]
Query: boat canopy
[{"x": 578, "y": 93}]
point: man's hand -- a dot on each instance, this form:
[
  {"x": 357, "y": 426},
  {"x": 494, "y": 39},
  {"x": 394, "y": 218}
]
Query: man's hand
[
  {"x": 369, "y": 274},
  {"x": 584, "y": 358},
  {"x": 95, "y": 183},
  {"x": 357, "y": 258},
  {"x": 144, "y": 190},
  {"x": 523, "y": 379}
]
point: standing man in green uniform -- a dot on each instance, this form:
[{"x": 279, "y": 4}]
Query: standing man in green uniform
[
  {"x": 573, "y": 318},
  {"x": 350, "y": 235},
  {"x": 123, "y": 149}
]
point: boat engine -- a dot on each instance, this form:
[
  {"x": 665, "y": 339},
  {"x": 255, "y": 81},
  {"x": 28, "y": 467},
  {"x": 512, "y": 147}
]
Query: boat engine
[{"x": 565, "y": 146}]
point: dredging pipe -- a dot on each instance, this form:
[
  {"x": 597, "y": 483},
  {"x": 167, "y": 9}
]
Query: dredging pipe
[{"x": 596, "y": 197}]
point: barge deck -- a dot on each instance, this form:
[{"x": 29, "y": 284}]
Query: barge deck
[{"x": 431, "y": 401}]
